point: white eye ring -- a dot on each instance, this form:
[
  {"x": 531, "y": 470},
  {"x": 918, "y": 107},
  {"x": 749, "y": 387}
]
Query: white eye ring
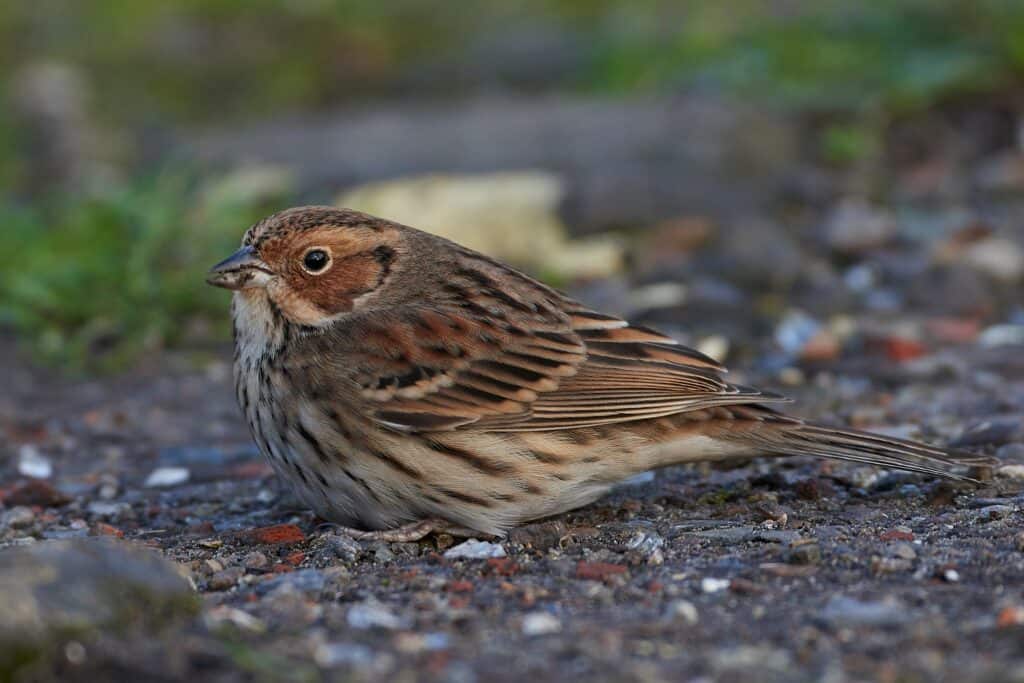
[{"x": 317, "y": 260}]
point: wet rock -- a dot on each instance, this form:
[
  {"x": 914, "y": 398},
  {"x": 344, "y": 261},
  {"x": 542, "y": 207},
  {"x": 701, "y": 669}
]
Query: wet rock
[
  {"x": 57, "y": 590},
  {"x": 475, "y": 550}
]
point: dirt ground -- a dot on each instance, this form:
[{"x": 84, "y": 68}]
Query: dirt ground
[{"x": 786, "y": 570}]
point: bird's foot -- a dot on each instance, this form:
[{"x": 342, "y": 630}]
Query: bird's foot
[{"x": 414, "y": 531}]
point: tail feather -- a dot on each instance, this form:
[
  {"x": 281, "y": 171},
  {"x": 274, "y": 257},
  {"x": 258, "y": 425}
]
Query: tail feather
[{"x": 870, "y": 449}]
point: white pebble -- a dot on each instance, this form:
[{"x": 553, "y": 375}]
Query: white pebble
[
  {"x": 711, "y": 585},
  {"x": 372, "y": 614},
  {"x": 1011, "y": 471},
  {"x": 475, "y": 550},
  {"x": 540, "y": 623},
  {"x": 167, "y": 476},
  {"x": 32, "y": 463},
  {"x": 684, "y": 610},
  {"x": 1001, "y": 335}
]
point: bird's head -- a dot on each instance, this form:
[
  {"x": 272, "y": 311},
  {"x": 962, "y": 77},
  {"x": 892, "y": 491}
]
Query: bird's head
[{"x": 314, "y": 263}]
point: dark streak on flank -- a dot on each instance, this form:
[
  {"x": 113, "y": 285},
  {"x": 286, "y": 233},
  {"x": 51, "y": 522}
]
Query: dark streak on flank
[
  {"x": 396, "y": 463},
  {"x": 465, "y": 498},
  {"x": 313, "y": 443},
  {"x": 471, "y": 459}
]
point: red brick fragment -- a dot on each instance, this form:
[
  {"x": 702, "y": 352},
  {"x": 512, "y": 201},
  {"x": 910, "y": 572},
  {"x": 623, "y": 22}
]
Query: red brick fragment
[
  {"x": 598, "y": 571},
  {"x": 900, "y": 349},
  {"x": 503, "y": 566},
  {"x": 460, "y": 586},
  {"x": 897, "y": 535},
  {"x": 295, "y": 559},
  {"x": 104, "y": 529},
  {"x": 279, "y": 534}
]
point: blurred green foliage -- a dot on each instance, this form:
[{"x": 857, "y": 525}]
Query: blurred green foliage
[
  {"x": 95, "y": 281},
  {"x": 109, "y": 275},
  {"x": 223, "y": 59}
]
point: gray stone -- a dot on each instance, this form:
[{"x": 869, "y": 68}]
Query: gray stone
[
  {"x": 843, "y": 610},
  {"x": 59, "y": 590}
]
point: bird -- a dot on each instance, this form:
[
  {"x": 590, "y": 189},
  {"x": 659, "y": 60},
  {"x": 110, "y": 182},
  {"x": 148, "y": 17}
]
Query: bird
[{"x": 404, "y": 384}]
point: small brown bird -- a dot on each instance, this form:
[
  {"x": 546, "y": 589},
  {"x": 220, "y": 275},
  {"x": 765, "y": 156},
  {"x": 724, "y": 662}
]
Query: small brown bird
[{"x": 405, "y": 384}]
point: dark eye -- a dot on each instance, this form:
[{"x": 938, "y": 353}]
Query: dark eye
[{"x": 315, "y": 260}]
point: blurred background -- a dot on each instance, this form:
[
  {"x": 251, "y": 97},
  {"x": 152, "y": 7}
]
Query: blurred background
[{"x": 778, "y": 182}]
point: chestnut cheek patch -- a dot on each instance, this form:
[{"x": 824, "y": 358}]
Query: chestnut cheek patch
[{"x": 349, "y": 278}]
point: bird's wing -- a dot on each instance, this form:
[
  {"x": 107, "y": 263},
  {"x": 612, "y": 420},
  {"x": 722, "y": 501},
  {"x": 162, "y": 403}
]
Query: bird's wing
[{"x": 508, "y": 362}]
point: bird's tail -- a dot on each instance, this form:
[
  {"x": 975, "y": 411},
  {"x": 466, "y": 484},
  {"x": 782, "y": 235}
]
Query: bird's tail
[{"x": 800, "y": 438}]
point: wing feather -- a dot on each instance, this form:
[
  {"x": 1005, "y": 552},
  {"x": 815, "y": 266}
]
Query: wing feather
[{"x": 522, "y": 357}]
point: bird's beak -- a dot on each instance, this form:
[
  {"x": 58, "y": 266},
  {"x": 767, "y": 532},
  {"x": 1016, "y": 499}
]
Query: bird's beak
[{"x": 241, "y": 270}]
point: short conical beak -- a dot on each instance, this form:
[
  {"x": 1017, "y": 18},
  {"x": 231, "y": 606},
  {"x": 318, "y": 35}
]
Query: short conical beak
[{"x": 241, "y": 270}]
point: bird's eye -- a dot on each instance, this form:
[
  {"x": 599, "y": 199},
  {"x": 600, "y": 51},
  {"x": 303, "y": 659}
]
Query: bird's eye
[{"x": 315, "y": 260}]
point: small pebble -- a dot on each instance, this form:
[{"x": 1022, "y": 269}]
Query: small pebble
[
  {"x": 475, "y": 550},
  {"x": 255, "y": 561},
  {"x": 33, "y": 464},
  {"x": 167, "y": 476},
  {"x": 540, "y": 623},
  {"x": 372, "y": 614},
  {"x": 18, "y": 517},
  {"x": 330, "y": 655},
  {"x": 904, "y": 551},
  {"x": 1002, "y": 335},
  {"x": 807, "y": 553},
  {"x": 994, "y": 512},
  {"x": 712, "y": 585},
  {"x": 225, "y": 579},
  {"x": 1011, "y": 471},
  {"x": 683, "y": 610},
  {"x": 344, "y": 546}
]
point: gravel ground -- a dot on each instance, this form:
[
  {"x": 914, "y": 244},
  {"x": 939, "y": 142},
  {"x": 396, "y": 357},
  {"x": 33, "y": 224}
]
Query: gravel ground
[
  {"x": 783, "y": 570},
  {"x": 142, "y": 538}
]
